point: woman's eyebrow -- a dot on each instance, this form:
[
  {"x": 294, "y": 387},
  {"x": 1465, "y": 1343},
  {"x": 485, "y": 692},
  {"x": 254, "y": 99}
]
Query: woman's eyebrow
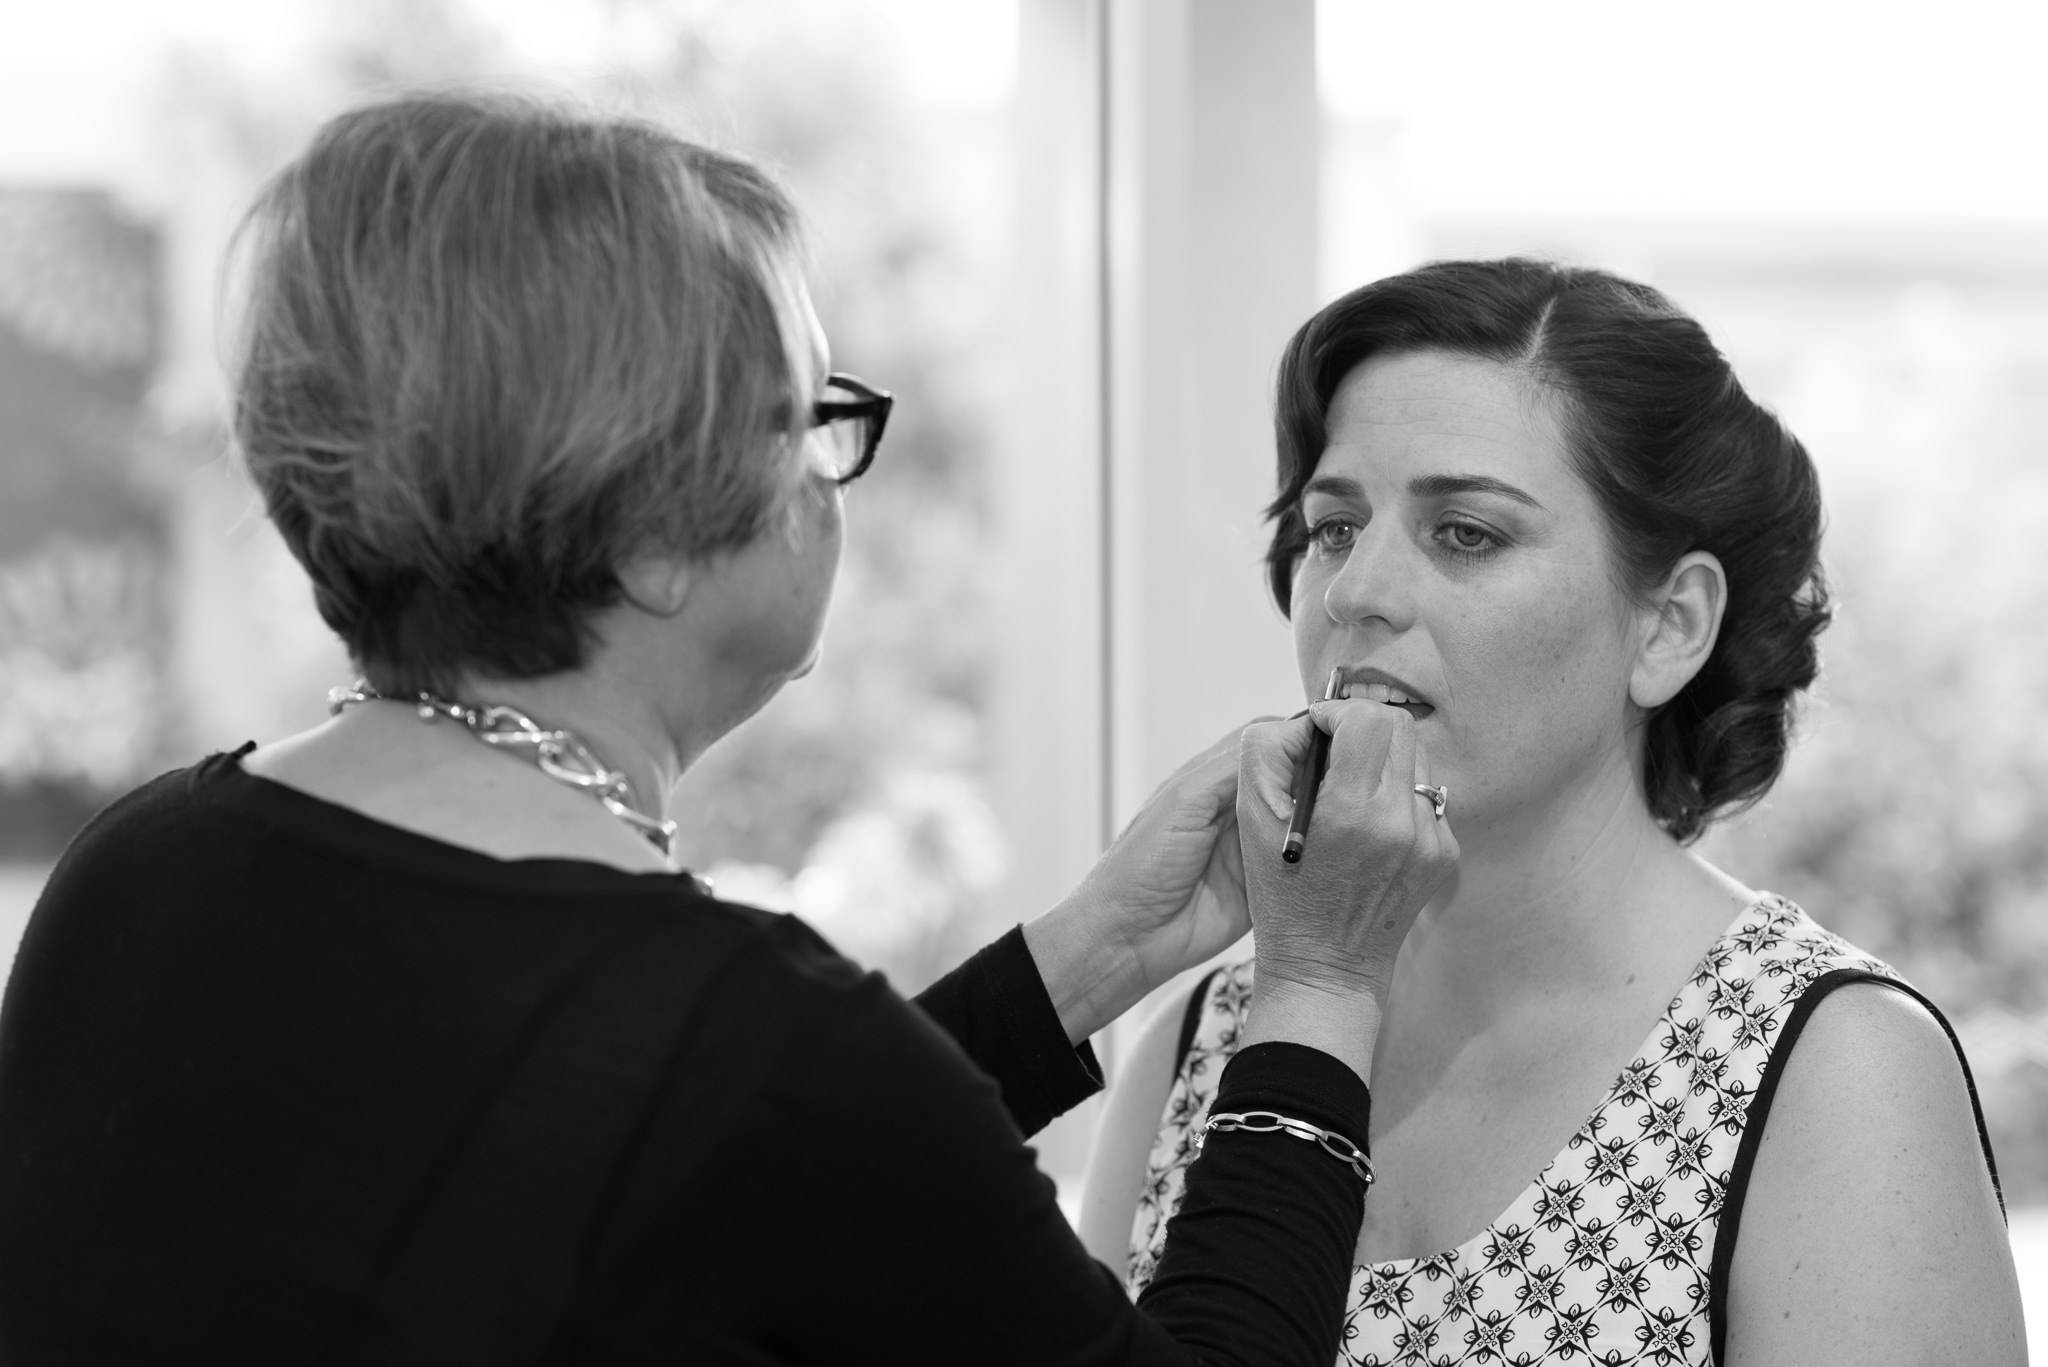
[
  {"x": 1334, "y": 486},
  {"x": 1443, "y": 486}
]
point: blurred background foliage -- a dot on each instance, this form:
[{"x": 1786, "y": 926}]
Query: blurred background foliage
[
  {"x": 1913, "y": 815},
  {"x": 146, "y": 613},
  {"x": 82, "y": 536}
]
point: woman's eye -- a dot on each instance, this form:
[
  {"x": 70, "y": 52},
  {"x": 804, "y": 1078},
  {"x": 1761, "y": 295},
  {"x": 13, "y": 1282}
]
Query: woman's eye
[
  {"x": 1333, "y": 535},
  {"x": 1467, "y": 538}
]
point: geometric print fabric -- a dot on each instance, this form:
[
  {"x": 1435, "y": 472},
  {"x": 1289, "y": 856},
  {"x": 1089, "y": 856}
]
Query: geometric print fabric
[{"x": 1607, "y": 1257}]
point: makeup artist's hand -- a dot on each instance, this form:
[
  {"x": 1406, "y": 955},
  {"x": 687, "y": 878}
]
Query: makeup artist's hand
[
  {"x": 1168, "y": 894},
  {"x": 1330, "y": 926}
]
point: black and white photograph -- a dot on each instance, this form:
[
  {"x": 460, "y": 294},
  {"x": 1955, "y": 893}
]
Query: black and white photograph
[{"x": 1023, "y": 682}]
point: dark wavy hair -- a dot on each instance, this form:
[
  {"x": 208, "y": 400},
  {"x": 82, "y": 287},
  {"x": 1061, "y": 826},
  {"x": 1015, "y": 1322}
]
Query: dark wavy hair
[
  {"x": 493, "y": 346},
  {"x": 1679, "y": 457}
]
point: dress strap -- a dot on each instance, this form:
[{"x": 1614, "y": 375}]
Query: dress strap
[{"x": 1191, "y": 1017}]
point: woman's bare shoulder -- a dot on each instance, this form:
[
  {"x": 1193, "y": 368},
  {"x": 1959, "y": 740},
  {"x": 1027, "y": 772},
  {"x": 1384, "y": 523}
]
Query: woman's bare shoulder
[{"x": 1870, "y": 1231}]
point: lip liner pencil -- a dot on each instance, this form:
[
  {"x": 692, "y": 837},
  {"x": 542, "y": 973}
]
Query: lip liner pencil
[{"x": 1308, "y": 777}]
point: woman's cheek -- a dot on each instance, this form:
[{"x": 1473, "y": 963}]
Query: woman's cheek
[{"x": 1309, "y": 623}]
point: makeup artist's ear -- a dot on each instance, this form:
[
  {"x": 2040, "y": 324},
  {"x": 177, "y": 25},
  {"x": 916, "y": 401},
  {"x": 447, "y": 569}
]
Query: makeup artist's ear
[
  {"x": 1681, "y": 621},
  {"x": 657, "y": 583}
]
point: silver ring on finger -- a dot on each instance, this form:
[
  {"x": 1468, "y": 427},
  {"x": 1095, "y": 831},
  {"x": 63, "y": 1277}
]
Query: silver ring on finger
[{"x": 1438, "y": 795}]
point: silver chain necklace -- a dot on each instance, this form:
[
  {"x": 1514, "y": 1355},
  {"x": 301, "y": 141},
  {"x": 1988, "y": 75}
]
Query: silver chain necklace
[{"x": 561, "y": 755}]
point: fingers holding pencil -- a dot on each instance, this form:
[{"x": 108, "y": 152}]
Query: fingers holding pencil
[
  {"x": 1371, "y": 851},
  {"x": 1308, "y": 779}
]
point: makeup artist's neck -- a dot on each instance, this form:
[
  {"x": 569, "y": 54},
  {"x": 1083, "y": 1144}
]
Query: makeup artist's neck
[
  {"x": 625, "y": 731},
  {"x": 432, "y": 778}
]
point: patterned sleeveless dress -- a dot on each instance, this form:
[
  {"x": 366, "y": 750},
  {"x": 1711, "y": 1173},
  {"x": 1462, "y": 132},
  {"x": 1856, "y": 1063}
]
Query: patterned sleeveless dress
[{"x": 1618, "y": 1252}]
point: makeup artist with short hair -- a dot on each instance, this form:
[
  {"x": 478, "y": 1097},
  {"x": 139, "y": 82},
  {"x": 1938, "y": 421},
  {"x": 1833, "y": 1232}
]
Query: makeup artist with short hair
[{"x": 401, "y": 1040}]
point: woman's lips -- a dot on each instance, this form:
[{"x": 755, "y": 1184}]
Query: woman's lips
[{"x": 1391, "y": 694}]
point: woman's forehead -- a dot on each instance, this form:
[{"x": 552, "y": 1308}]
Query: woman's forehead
[{"x": 1464, "y": 414}]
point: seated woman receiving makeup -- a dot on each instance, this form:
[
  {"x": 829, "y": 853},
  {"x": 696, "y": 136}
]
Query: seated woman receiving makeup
[{"x": 1626, "y": 1109}]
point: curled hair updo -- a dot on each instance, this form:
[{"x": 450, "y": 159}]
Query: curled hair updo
[
  {"x": 490, "y": 349},
  {"x": 1678, "y": 456}
]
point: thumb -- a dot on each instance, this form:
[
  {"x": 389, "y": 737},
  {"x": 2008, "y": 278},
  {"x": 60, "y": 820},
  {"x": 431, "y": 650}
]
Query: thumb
[{"x": 1270, "y": 753}]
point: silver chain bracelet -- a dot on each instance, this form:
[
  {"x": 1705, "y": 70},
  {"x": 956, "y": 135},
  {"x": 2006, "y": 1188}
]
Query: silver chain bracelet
[{"x": 1268, "y": 1122}]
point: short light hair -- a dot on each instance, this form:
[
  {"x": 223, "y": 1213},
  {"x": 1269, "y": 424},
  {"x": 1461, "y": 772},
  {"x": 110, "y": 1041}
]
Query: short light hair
[{"x": 491, "y": 347}]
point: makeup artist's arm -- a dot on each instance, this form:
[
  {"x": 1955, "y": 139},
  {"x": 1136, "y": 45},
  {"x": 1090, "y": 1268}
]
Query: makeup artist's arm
[
  {"x": 1167, "y": 895},
  {"x": 1255, "y": 1272}
]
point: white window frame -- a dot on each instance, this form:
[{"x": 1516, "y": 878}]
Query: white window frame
[{"x": 1166, "y": 247}]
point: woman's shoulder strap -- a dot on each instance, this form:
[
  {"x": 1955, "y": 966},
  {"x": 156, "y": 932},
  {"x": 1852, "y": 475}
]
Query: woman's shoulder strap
[
  {"x": 1191, "y": 1017},
  {"x": 1211, "y": 1023}
]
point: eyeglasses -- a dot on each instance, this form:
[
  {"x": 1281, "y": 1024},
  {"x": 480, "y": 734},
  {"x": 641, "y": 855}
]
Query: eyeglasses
[{"x": 853, "y": 414}]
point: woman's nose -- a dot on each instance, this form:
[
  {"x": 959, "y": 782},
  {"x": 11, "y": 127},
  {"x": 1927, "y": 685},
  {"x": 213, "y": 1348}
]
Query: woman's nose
[{"x": 1376, "y": 580}]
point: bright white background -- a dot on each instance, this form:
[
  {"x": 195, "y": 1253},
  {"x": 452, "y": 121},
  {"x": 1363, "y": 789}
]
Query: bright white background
[{"x": 1744, "y": 109}]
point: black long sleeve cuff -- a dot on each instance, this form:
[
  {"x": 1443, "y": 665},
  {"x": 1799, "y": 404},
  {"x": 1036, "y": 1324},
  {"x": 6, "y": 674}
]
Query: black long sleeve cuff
[{"x": 1267, "y": 1215}]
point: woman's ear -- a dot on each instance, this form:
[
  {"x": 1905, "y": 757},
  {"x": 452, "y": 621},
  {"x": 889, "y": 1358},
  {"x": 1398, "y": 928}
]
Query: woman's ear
[
  {"x": 657, "y": 583},
  {"x": 1683, "y": 621}
]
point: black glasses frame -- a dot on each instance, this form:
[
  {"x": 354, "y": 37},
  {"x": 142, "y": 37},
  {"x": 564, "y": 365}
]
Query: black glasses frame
[{"x": 871, "y": 408}]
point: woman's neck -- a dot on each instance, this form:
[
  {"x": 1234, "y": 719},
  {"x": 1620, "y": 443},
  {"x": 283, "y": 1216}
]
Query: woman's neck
[{"x": 1589, "y": 895}]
